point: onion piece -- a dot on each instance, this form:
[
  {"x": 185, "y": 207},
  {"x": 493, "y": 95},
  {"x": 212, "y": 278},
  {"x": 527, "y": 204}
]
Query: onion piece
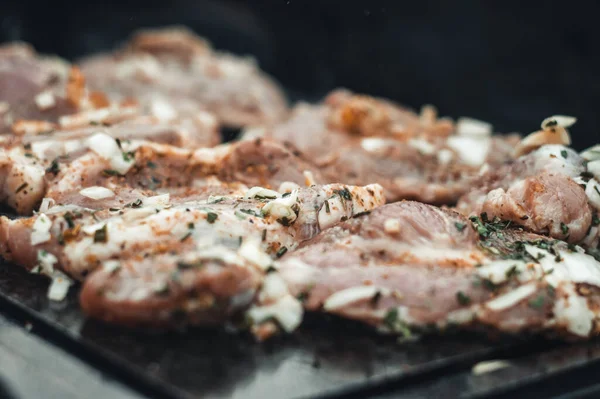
[{"x": 97, "y": 192}]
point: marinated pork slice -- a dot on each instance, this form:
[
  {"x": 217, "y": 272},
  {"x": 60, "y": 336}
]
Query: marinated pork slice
[
  {"x": 359, "y": 139},
  {"x": 550, "y": 191},
  {"x": 41, "y": 94},
  {"x": 182, "y": 68},
  {"x": 60, "y": 169},
  {"x": 410, "y": 268},
  {"x": 29, "y": 85},
  {"x": 139, "y": 247}
]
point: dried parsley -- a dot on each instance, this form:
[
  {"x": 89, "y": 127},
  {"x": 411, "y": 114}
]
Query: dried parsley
[
  {"x": 460, "y": 226},
  {"x": 54, "y": 167},
  {"x": 21, "y": 187},
  {"x": 463, "y": 298},
  {"x": 110, "y": 172},
  {"x": 190, "y": 265},
  {"x": 537, "y": 302},
  {"x": 69, "y": 219},
  {"x": 211, "y": 217},
  {"x": 101, "y": 234},
  {"x": 391, "y": 317},
  {"x": 281, "y": 252},
  {"x": 564, "y": 154},
  {"x": 513, "y": 271},
  {"x": 564, "y": 228}
]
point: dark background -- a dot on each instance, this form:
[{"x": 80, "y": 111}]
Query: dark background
[{"x": 508, "y": 62}]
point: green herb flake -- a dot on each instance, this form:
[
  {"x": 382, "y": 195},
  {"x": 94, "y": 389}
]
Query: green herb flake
[
  {"x": 563, "y": 153},
  {"x": 391, "y": 317},
  {"x": 595, "y": 220},
  {"x": 69, "y": 219},
  {"x": 460, "y": 226},
  {"x": 54, "y": 167},
  {"x": 564, "y": 228},
  {"x": 110, "y": 172},
  {"x": 281, "y": 252},
  {"x": 327, "y": 209},
  {"x": 537, "y": 302},
  {"x": 512, "y": 272},
  {"x": 197, "y": 264},
  {"x": 186, "y": 236},
  {"x": 191, "y": 226},
  {"x": 211, "y": 217},
  {"x": 21, "y": 187},
  {"x": 101, "y": 234},
  {"x": 151, "y": 165},
  {"x": 463, "y": 298}
]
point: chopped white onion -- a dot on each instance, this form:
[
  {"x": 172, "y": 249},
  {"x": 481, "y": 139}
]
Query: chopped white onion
[
  {"x": 282, "y": 207},
  {"x": 97, "y": 192},
  {"x": 309, "y": 178},
  {"x": 489, "y": 366},
  {"x": 261, "y": 192},
  {"x": 273, "y": 288},
  {"x": 423, "y": 146},
  {"x": 157, "y": 200},
  {"x": 592, "y": 190},
  {"x": 287, "y": 187},
  {"x": 45, "y": 100},
  {"x": 445, "y": 156},
  {"x": 391, "y": 226},
  {"x": 473, "y": 151},
  {"x": 106, "y": 147},
  {"x": 592, "y": 153},
  {"x": 41, "y": 230},
  {"x": 473, "y": 127},
  {"x": 560, "y": 120},
  {"x": 59, "y": 287},
  {"x": 251, "y": 251},
  {"x": 287, "y": 311},
  {"x": 349, "y": 296},
  {"x": 594, "y": 168},
  {"x": 47, "y": 203},
  {"x": 512, "y": 297},
  {"x": 373, "y": 144},
  {"x": 46, "y": 262}
]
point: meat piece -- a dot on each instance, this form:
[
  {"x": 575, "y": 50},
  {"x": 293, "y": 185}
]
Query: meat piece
[
  {"x": 549, "y": 191},
  {"x": 42, "y": 94},
  {"x": 29, "y": 86},
  {"x": 411, "y": 268},
  {"x": 359, "y": 139},
  {"x": 58, "y": 169},
  {"x": 181, "y": 69},
  {"x": 220, "y": 247}
]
